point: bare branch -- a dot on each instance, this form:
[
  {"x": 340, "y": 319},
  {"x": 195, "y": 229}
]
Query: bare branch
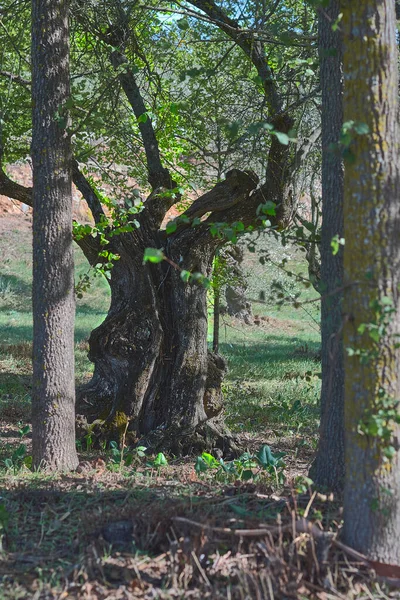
[
  {"x": 14, "y": 190},
  {"x": 87, "y": 192},
  {"x": 16, "y": 78},
  {"x": 158, "y": 175}
]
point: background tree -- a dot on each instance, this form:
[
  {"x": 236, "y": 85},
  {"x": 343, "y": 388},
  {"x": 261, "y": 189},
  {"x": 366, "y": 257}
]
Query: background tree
[
  {"x": 371, "y": 267},
  {"x": 133, "y": 109},
  {"x": 328, "y": 466},
  {"x": 53, "y": 392}
]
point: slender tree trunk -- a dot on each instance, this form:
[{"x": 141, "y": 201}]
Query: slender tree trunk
[
  {"x": 53, "y": 398},
  {"x": 216, "y": 311},
  {"x": 328, "y": 467},
  {"x": 372, "y": 268}
]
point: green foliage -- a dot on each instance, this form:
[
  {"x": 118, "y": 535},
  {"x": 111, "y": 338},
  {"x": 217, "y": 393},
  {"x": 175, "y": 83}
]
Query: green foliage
[
  {"x": 122, "y": 457},
  {"x": 336, "y": 242},
  {"x": 381, "y": 422},
  {"x": 382, "y": 311},
  {"x": 120, "y": 221},
  {"x": 159, "y": 461},
  {"x": 350, "y": 129},
  {"x": 153, "y": 255},
  {"x": 246, "y": 467},
  {"x": 129, "y": 458},
  {"x": 19, "y": 457}
]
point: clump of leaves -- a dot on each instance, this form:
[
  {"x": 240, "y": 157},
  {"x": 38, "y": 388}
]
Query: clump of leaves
[
  {"x": 247, "y": 466},
  {"x": 19, "y": 458},
  {"x": 133, "y": 457},
  {"x": 119, "y": 455}
]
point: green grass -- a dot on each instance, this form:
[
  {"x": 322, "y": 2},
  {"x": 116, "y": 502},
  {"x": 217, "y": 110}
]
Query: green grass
[
  {"x": 53, "y": 528},
  {"x": 272, "y": 385}
]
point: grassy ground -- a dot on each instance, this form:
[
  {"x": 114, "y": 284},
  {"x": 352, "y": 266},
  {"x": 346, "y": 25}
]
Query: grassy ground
[{"x": 124, "y": 526}]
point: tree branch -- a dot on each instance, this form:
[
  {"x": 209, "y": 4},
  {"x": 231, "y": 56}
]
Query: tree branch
[
  {"x": 87, "y": 192},
  {"x": 14, "y": 190},
  {"x": 10, "y": 188},
  {"x": 158, "y": 175},
  {"x": 16, "y": 78},
  {"x": 253, "y": 48},
  {"x": 225, "y": 195}
]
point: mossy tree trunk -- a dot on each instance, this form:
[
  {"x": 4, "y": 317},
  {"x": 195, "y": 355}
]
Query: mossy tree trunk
[{"x": 372, "y": 270}]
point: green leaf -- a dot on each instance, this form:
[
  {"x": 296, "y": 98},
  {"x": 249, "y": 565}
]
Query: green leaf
[
  {"x": 153, "y": 255},
  {"x": 128, "y": 459},
  {"x": 375, "y": 335},
  {"x": 183, "y": 24},
  {"x": 210, "y": 460},
  {"x": 174, "y": 108},
  {"x": 265, "y": 457},
  {"x": 268, "y": 208},
  {"x": 24, "y": 431},
  {"x": 283, "y": 138},
  {"x": 361, "y": 128},
  {"x": 143, "y": 118},
  {"x": 160, "y": 460},
  {"x": 389, "y": 452},
  {"x": 247, "y": 475},
  {"x": 336, "y": 242},
  {"x": 171, "y": 227},
  {"x": 185, "y": 276},
  {"x": 200, "y": 466}
]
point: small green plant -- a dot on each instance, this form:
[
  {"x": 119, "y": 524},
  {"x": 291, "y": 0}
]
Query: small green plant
[
  {"x": 122, "y": 458},
  {"x": 159, "y": 461},
  {"x": 4, "y": 519},
  {"x": 247, "y": 466},
  {"x": 20, "y": 457}
]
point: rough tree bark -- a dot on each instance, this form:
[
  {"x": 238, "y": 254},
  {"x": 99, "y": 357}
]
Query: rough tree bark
[
  {"x": 372, "y": 267},
  {"x": 150, "y": 354},
  {"x": 53, "y": 394},
  {"x": 328, "y": 467},
  {"x": 235, "y": 292}
]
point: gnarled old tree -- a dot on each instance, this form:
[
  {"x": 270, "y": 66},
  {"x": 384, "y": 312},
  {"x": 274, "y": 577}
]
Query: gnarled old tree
[{"x": 151, "y": 363}]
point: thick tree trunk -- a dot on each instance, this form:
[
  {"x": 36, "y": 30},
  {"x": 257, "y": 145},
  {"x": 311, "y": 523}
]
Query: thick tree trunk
[
  {"x": 53, "y": 397},
  {"x": 372, "y": 267},
  {"x": 152, "y": 364},
  {"x": 328, "y": 467},
  {"x": 150, "y": 354}
]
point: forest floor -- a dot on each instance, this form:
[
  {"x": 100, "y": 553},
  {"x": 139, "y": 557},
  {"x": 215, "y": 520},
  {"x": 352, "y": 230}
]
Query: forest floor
[{"x": 127, "y": 526}]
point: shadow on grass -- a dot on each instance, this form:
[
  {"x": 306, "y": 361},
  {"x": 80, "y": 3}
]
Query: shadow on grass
[
  {"x": 19, "y": 290},
  {"x": 14, "y": 333},
  {"x": 160, "y": 537},
  {"x": 86, "y": 309},
  {"x": 276, "y": 355}
]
